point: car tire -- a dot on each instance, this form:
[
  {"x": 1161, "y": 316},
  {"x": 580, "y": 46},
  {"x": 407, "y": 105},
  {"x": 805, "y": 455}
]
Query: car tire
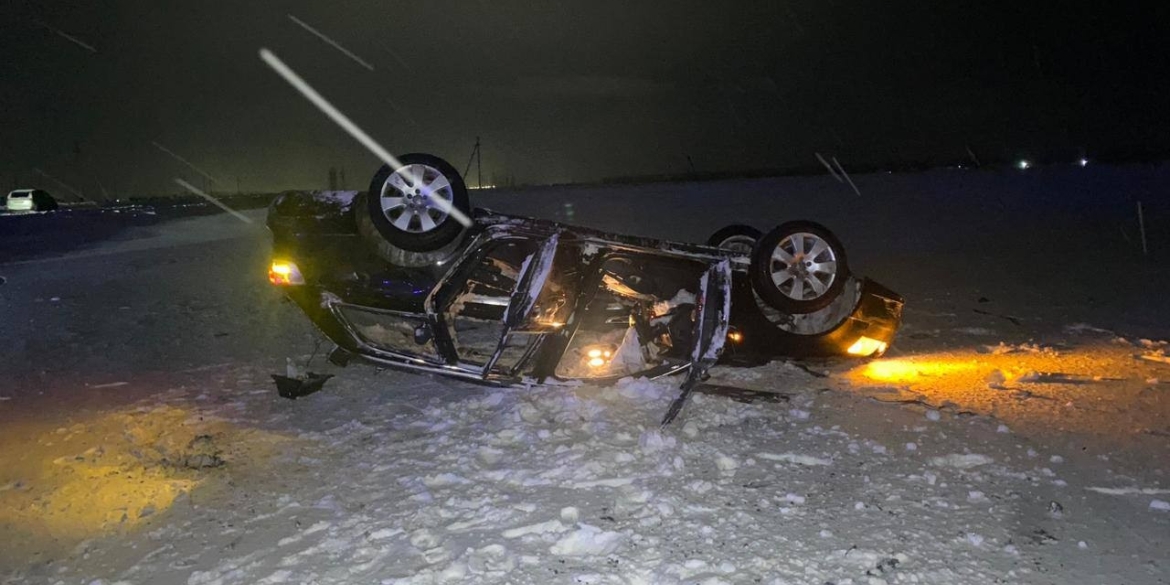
[
  {"x": 799, "y": 267},
  {"x": 736, "y": 237},
  {"x": 393, "y": 254},
  {"x": 406, "y": 214}
]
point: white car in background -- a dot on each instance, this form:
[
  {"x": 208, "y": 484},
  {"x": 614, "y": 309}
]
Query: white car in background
[{"x": 30, "y": 200}]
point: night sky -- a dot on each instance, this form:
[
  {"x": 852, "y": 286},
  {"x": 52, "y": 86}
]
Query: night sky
[{"x": 569, "y": 91}]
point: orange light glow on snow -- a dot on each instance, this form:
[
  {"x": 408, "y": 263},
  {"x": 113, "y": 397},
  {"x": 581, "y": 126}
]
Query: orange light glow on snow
[{"x": 901, "y": 371}]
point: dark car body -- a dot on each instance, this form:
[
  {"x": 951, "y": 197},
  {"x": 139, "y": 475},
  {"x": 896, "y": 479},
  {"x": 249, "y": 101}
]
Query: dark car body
[{"x": 526, "y": 299}]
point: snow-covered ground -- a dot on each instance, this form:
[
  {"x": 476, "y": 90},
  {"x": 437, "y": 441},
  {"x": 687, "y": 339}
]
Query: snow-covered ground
[{"x": 1019, "y": 432}]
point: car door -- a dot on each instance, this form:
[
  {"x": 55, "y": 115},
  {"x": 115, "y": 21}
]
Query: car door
[
  {"x": 488, "y": 295},
  {"x": 710, "y": 331},
  {"x": 514, "y": 347}
]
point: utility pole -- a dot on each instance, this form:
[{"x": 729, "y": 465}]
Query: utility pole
[{"x": 479, "y": 164}]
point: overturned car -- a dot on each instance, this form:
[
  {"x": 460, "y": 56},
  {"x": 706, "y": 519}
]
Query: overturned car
[{"x": 390, "y": 276}]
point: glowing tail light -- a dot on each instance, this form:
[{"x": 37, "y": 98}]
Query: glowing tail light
[
  {"x": 866, "y": 346},
  {"x": 284, "y": 273}
]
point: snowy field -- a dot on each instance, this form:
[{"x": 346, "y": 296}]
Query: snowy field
[{"x": 1018, "y": 432}]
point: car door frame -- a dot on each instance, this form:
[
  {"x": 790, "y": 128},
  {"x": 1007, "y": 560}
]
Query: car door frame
[{"x": 530, "y": 281}]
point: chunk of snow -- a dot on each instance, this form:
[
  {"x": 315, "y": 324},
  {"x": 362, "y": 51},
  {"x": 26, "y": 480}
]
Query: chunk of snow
[
  {"x": 424, "y": 539},
  {"x": 700, "y": 486},
  {"x": 975, "y": 539},
  {"x": 1160, "y": 505},
  {"x": 1128, "y": 491},
  {"x": 489, "y": 456},
  {"x": 539, "y": 528},
  {"x": 911, "y": 446},
  {"x": 385, "y": 533},
  {"x": 933, "y": 414},
  {"x": 570, "y": 514},
  {"x": 1056, "y": 459},
  {"x": 654, "y": 441},
  {"x": 493, "y": 558},
  {"x": 610, "y": 482},
  {"x": 587, "y": 541},
  {"x": 725, "y": 464},
  {"x": 444, "y": 479},
  {"x": 794, "y": 458},
  {"x": 961, "y": 460}
]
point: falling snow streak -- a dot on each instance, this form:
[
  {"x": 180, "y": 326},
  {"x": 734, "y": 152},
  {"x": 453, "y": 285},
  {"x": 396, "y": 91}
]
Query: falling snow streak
[
  {"x": 830, "y": 168},
  {"x": 346, "y": 124},
  {"x": 70, "y": 38},
  {"x": 213, "y": 200},
  {"x": 61, "y": 183},
  {"x": 397, "y": 58},
  {"x": 403, "y": 113},
  {"x": 184, "y": 161},
  {"x": 846, "y": 175},
  {"x": 331, "y": 42}
]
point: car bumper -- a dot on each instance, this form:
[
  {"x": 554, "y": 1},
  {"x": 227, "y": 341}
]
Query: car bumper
[
  {"x": 871, "y": 328},
  {"x": 868, "y": 330}
]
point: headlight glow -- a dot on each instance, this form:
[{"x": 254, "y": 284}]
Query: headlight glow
[
  {"x": 866, "y": 346},
  {"x": 285, "y": 273}
]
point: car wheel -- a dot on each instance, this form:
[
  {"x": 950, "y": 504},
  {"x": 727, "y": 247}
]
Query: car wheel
[
  {"x": 393, "y": 254},
  {"x": 736, "y": 238},
  {"x": 799, "y": 267},
  {"x": 409, "y": 205}
]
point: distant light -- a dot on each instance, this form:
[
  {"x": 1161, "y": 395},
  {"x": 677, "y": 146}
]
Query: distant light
[
  {"x": 1023, "y": 165},
  {"x": 1084, "y": 162}
]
